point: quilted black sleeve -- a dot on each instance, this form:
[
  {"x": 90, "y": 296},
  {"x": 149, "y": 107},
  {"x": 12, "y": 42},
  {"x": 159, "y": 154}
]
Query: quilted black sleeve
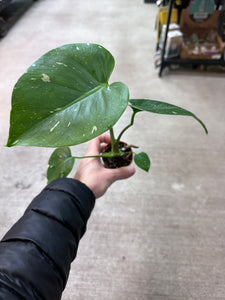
[{"x": 36, "y": 253}]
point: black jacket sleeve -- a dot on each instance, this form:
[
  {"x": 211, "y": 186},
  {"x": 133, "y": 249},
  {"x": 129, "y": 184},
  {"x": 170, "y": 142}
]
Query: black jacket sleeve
[{"x": 36, "y": 253}]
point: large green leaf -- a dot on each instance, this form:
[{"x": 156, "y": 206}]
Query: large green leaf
[
  {"x": 60, "y": 163},
  {"x": 64, "y": 98},
  {"x": 164, "y": 108}
]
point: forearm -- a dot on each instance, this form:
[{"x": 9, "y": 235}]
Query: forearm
[{"x": 38, "y": 250}]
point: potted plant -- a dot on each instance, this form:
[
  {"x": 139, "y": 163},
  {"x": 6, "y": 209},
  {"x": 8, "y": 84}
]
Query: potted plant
[{"x": 64, "y": 99}]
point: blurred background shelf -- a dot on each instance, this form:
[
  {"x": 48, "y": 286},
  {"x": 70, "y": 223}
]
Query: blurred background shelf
[{"x": 193, "y": 63}]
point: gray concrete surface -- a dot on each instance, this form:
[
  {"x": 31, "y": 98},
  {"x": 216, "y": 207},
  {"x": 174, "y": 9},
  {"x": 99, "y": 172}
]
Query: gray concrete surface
[{"x": 156, "y": 236}]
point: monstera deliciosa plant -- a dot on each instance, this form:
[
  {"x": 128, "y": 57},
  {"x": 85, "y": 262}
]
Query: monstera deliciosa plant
[{"x": 65, "y": 99}]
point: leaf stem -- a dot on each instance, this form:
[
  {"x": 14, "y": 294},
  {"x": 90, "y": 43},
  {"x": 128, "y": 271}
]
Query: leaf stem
[
  {"x": 128, "y": 126},
  {"x": 114, "y": 143},
  {"x": 109, "y": 154}
]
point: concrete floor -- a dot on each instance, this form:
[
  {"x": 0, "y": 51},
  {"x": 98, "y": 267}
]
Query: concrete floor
[{"x": 156, "y": 236}]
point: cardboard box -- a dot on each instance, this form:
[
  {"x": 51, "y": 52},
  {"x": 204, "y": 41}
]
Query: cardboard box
[{"x": 201, "y": 40}]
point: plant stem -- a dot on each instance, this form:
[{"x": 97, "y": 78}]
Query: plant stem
[
  {"x": 114, "y": 143},
  {"x": 128, "y": 126},
  {"x": 102, "y": 155}
]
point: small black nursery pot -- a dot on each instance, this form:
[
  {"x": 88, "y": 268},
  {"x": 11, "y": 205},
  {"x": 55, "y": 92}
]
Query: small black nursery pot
[{"x": 118, "y": 161}]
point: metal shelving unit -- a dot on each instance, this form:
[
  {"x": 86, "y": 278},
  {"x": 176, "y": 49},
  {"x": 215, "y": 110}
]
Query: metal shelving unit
[{"x": 167, "y": 62}]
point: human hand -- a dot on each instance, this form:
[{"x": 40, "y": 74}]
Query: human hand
[{"x": 93, "y": 173}]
